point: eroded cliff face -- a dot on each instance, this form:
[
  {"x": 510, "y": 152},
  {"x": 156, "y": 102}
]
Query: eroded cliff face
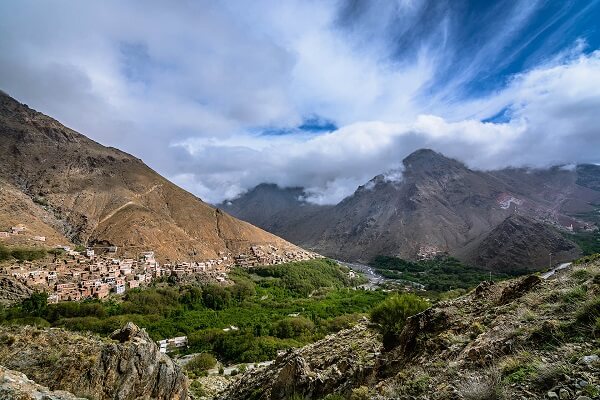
[{"x": 126, "y": 366}]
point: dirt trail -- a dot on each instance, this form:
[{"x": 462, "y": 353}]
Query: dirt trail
[{"x": 130, "y": 202}]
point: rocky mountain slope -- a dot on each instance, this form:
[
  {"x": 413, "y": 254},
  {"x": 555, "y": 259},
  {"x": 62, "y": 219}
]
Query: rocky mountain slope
[
  {"x": 273, "y": 208},
  {"x": 67, "y": 187},
  {"x": 436, "y": 204},
  {"x": 528, "y": 338},
  {"x": 127, "y": 366},
  {"x": 520, "y": 241},
  {"x": 12, "y": 291},
  {"x": 16, "y": 386}
]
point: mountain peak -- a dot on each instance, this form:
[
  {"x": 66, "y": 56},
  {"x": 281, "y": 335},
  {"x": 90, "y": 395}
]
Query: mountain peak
[{"x": 429, "y": 160}]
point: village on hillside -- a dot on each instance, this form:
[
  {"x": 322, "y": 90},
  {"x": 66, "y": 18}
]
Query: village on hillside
[{"x": 84, "y": 273}]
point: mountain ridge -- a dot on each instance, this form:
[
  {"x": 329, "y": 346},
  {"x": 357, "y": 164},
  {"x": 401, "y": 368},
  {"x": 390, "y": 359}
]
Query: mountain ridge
[
  {"x": 103, "y": 196},
  {"x": 436, "y": 204}
]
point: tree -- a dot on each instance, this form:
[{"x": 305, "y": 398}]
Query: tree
[
  {"x": 201, "y": 363},
  {"x": 191, "y": 296},
  {"x": 242, "y": 290},
  {"x": 36, "y": 304},
  {"x": 215, "y": 297},
  {"x": 391, "y": 314},
  {"x": 293, "y": 327}
]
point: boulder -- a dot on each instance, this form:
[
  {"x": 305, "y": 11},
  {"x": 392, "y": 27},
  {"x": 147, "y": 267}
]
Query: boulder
[
  {"x": 128, "y": 367},
  {"x": 519, "y": 288},
  {"x": 16, "y": 385}
]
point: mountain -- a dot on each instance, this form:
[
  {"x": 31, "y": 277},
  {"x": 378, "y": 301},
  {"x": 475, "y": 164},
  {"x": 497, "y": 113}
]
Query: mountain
[
  {"x": 438, "y": 205},
  {"x": 273, "y": 208},
  {"x": 64, "y": 186},
  {"x": 520, "y": 244}
]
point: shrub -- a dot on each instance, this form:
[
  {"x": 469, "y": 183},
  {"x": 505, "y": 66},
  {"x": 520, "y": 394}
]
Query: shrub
[
  {"x": 340, "y": 322},
  {"x": 7, "y": 339},
  {"x": 587, "y": 259},
  {"x": 483, "y": 387},
  {"x": 360, "y": 393},
  {"x": 574, "y": 295},
  {"x": 392, "y": 313},
  {"x": 5, "y": 253},
  {"x": 201, "y": 363},
  {"x": 293, "y": 327},
  {"x": 581, "y": 275},
  {"x": 548, "y": 375},
  {"x": 197, "y": 389},
  {"x": 589, "y": 311},
  {"x": 518, "y": 368},
  {"x": 56, "y": 252}
]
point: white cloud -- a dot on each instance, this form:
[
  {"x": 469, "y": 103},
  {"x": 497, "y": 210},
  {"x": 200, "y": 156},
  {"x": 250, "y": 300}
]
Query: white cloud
[
  {"x": 554, "y": 120},
  {"x": 186, "y": 86}
]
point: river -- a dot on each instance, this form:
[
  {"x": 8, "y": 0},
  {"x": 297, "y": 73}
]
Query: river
[{"x": 375, "y": 280}]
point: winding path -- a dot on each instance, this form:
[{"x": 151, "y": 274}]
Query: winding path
[
  {"x": 548, "y": 274},
  {"x": 129, "y": 203}
]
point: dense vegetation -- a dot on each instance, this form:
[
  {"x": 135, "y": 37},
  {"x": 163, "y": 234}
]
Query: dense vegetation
[
  {"x": 272, "y": 307},
  {"x": 439, "y": 274},
  {"x": 391, "y": 314},
  {"x": 21, "y": 253},
  {"x": 201, "y": 363},
  {"x": 588, "y": 242}
]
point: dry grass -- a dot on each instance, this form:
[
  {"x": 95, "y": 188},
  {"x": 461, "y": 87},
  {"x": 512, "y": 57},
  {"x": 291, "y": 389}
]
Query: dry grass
[{"x": 482, "y": 387}]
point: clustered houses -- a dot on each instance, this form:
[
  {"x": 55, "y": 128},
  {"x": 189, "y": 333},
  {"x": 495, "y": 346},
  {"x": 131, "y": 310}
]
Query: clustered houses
[
  {"x": 82, "y": 275},
  {"x": 78, "y": 276},
  {"x": 271, "y": 255},
  {"x": 427, "y": 252},
  {"x": 20, "y": 230}
]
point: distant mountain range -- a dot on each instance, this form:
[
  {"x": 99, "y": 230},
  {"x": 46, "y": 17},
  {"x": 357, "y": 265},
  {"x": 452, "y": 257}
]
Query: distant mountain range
[
  {"x": 70, "y": 189},
  {"x": 503, "y": 220}
]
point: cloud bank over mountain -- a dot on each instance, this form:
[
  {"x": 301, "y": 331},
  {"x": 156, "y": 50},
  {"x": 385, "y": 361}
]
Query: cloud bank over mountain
[{"x": 222, "y": 96}]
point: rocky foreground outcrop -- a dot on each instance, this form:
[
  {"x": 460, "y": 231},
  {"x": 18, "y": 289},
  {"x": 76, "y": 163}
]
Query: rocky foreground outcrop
[
  {"x": 527, "y": 338},
  {"x": 16, "y": 386},
  {"x": 335, "y": 364},
  {"x": 126, "y": 366}
]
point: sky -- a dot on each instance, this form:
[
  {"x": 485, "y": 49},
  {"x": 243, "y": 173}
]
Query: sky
[{"x": 221, "y": 96}]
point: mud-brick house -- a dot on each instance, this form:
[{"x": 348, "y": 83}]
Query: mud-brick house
[{"x": 101, "y": 292}]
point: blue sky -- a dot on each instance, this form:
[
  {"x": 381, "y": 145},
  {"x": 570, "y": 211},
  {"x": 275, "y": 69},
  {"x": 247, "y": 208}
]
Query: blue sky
[{"x": 221, "y": 96}]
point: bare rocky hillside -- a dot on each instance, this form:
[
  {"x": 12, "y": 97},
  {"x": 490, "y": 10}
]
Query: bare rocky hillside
[{"x": 69, "y": 188}]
